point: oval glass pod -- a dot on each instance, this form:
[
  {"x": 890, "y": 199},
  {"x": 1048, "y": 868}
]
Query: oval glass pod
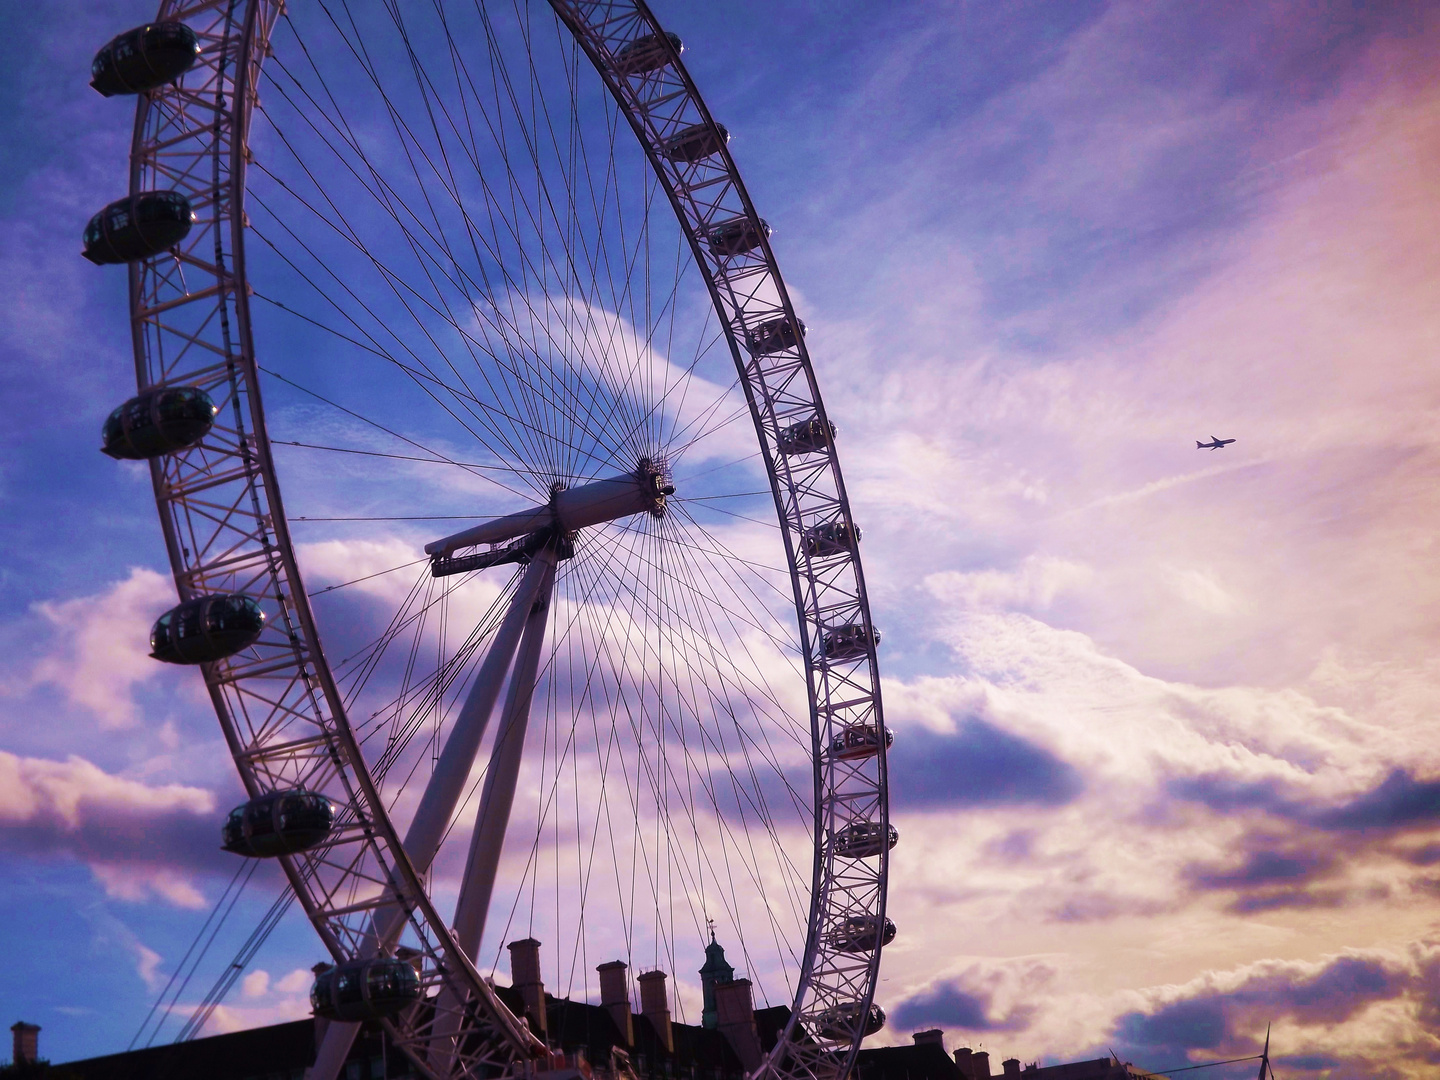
[
  {"x": 857, "y": 934},
  {"x": 646, "y": 54},
  {"x": 848, "y": 642},
  {"x": 831, "y": 538},
  {"x": 865, "y": 840},
  {"x": 159, "y": 421},
  {"x": 137, "y": 227},
  {"x": 773, "y": 335},
  {"x": 279, "y": 823},
  {"x": 855, "y": 742},
  {"x": 144, "y": 58},
  {"x": 839, "y": 1022},
  {"x": 365, "y": 989},
  {"x": 206, "y": 629},
  {"x": 737, "y": 236},
  {"x": 695, "y": 143},
  {"x": 806, "y": 437}
]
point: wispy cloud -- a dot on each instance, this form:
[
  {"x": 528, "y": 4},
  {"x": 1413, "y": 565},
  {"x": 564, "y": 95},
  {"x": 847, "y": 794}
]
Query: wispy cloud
[{"x": 103, "y": 651}]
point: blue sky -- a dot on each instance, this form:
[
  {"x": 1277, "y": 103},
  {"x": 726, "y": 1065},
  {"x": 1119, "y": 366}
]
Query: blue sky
[{"x": 1163, "y": 770}]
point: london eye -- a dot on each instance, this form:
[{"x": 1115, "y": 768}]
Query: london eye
[{"x": 560, "y": 632}]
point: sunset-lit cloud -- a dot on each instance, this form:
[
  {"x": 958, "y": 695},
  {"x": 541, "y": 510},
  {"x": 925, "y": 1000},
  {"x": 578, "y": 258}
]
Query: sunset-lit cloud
[
  {"x": 1164, "y": 768},
  {"x": 139, "y": 841},
  {"x": 104, "y": 651}
]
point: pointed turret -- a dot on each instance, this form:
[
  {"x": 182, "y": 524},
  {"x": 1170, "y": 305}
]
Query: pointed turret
[{"x": 715, "y": 971}]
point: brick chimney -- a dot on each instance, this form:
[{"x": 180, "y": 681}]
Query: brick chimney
[
  {"x": 27, "y": 1043},
  {"x": 980, "y": 1065},
  {"x": 933, "y": 1037},
  {"x": 735, "y": 1017},
  {"x": 615, "y": 996},
  {"x": 962, "y": 1059},
  {"x": 655, "y": 1006},
  {"x": 1011, "y": 1066},
  {"x": 525, "y": 978}
]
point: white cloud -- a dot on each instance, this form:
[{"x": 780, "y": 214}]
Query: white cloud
[
  {"x": 1033, "y": 585},
  {"x": 137, "y": 884},
  {"x": 73, "y": 793},
  {"x": 147, "y": 966},
  {"x": 105, "y": 653},
  {"x": 140, "y": 841}
]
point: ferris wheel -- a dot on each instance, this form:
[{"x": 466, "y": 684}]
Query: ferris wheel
[{"x": 558, "y": 474}]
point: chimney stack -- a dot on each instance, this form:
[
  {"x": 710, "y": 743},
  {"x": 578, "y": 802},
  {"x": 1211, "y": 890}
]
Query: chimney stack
[
  {"x": 735, "y": 1009},
  {"x": 962, "y": 1059},
  {"x": 27, "y": 1043},
  {"x": 933, "y": 1037},
  {"x": 655, "y": 1007},
  {"x": 1011, "y": 1066},
  {"x": 615, "y": 996},
  {"x": 525, "y": 978},
  {"x": 980, "y": 1065}
]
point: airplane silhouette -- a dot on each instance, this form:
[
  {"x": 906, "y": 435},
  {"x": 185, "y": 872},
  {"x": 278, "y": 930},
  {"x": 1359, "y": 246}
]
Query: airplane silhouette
[{"x": 1213, "y": 444}]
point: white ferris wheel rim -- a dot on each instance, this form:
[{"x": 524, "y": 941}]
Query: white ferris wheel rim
[{"x": 251, "y": 550}]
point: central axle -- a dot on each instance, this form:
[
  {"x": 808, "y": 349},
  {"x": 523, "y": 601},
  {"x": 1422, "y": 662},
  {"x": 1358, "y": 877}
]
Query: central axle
[{"x": 569, "y": 511}]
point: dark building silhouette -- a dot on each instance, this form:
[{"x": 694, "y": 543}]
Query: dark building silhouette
[{"x": 605, "y": 1041}]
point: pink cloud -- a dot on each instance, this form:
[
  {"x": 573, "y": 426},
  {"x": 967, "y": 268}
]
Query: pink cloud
[
  {"x": 103, "y": 650},
  {"x": 139, "y": 840}
]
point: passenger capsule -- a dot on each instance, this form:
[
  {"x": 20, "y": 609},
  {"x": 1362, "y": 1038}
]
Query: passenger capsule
[
  {"x": 206, "y": 629},
  {"x": 857, "y": 934},
  {"x": 806, "y": 437},
  {"x": 138, "y": 227},
  {"x": 365, "y": 989},
  {"x": 848, "y": 641},
  {"x": 144, "y": 58},
  {"x": 646, "y": 54},
  {"x": 159, "y": 421},
  {"x": 854, "y": 742},
  {"x": 695, "y": 143},
  {"x": 773, "y": 335},
  {"x": 737, "y": 236},
  {"x": 830, "y": 538},
  {"x": 864, "y": 840},
  {"x": 839, "y": 1023},
  {"x": 280, "y": 823}
]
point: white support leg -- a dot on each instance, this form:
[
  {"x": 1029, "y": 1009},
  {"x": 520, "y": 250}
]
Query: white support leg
[
  {"x": 447, "y": 784},
  {"x": 493, "y": 816},
  {"x": 498, "y": 794}
]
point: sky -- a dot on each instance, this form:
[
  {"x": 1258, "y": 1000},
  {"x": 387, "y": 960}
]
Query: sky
[{"x": 1161, "y": 770}]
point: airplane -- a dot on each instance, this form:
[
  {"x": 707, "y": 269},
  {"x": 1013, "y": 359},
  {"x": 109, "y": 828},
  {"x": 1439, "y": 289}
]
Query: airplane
[{"x": 1213, "y": 444}]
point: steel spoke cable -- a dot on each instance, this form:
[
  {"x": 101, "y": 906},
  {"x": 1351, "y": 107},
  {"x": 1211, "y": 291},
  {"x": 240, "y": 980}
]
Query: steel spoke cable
[
  {"x": 531, "y": 406},
  {"x": 390, "y": 200},
  {"x": 466, "y": 400},
  {"x": 388, "y": 204},
  {"x": 654, "y": 785},
  {"x": 512, "y": 291},
  {"x": 467, "y": 465},
  {"x": 243, "y": 870},
  {"x": 711, "y": 634},
  {"x": 502, "y": 77},
  {"x": 435, "y": 455}
]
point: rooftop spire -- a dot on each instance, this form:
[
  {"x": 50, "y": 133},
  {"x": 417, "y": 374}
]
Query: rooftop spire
[{"x": 715, "y": 971}]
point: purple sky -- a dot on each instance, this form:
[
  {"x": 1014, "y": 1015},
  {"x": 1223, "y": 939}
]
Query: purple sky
[{"x": 1162, "y": 771}]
